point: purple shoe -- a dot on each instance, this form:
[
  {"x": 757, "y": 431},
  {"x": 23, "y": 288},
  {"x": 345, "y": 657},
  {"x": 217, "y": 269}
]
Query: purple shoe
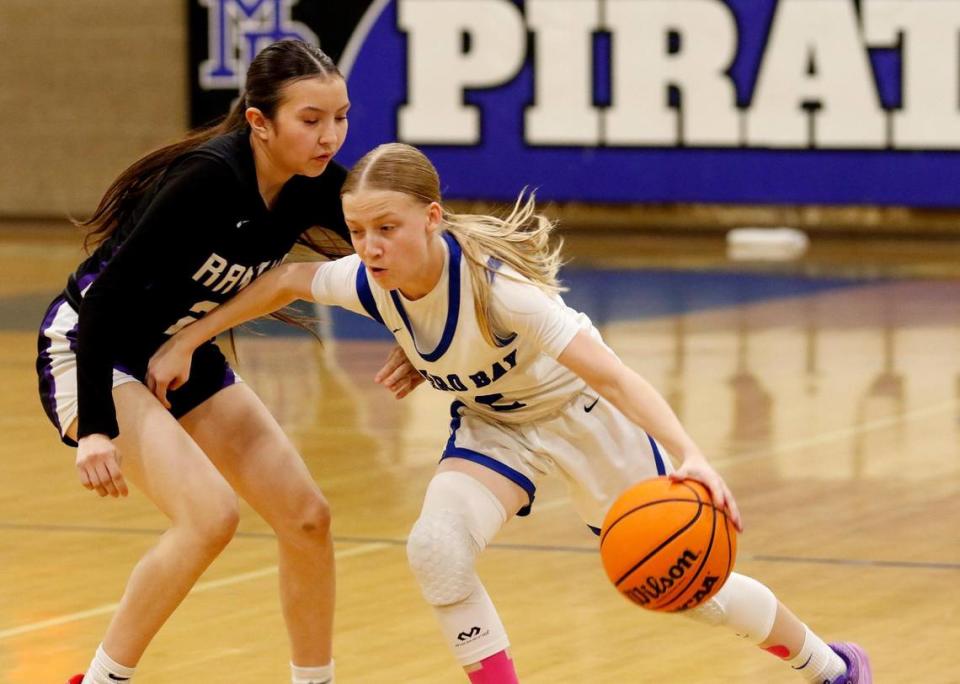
[{"x": 857, "y": 662}]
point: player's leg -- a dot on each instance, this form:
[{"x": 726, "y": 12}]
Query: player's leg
[
  {"x": 470, "y": 497},
  {"x": 161, "y": 460},
  {"x": 751, "y": 611},
  {"x": 464, "y": 507},
  {"x": 244, "y": 441},
  {"x": 743, "y": 605}
]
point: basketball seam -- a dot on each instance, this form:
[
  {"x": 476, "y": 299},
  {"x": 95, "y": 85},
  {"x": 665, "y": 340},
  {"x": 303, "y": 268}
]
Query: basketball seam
[
  {"x": 665, "y": 542},
  {"x": 603, "y": 538},
  {"x": 703, "y": 563},
  {"x": 706, "y": 554},
  {"x": 726, "y": 528}
]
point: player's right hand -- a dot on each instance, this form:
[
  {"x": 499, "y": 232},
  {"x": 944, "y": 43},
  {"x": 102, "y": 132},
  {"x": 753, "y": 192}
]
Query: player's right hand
[
  {"x": 695, "y": 467},
  {"x": 398, "y": 375},
  {"x": 98, "y": 465},
  {"x": 169, "y": 368}
]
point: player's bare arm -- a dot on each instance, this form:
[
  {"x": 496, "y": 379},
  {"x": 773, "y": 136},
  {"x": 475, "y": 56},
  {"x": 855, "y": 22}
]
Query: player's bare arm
[
  {"x": 169, "y": 367},
  {"x": 640, "y": 402}
]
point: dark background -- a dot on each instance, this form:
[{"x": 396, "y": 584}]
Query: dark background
[{"x": 332, "y": 20}]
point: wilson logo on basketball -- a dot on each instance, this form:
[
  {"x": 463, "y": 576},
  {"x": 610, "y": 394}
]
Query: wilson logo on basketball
[
  {"x": 664, "y": 545},
  {"x": 655, "y": 587},
  {"x": 703, "y": 592}
]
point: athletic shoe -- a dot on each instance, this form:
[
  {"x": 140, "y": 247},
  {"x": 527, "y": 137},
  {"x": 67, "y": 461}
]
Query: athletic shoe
[{"x": 857, "y": 662}]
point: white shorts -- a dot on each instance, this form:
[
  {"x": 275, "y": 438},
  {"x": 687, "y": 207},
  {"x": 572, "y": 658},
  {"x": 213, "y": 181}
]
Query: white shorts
[{"x": 596, "y": 449}]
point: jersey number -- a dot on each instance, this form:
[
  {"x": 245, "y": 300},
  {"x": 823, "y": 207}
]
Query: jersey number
[
  {"x": 196, "y": 313},
  {"x": 492, "y": 399}
]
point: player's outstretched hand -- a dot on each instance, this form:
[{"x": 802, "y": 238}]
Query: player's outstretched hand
[
  {"x": 697, "y": 468},
  {"x": 398, "y": 375},
  {"x": 98, "y": 465},
  {"x": 168, "y": 369}
]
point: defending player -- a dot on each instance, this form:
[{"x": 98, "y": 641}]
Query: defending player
[
  {"x": 473, "y": 300},
  {"x": 181, "y": 230}
]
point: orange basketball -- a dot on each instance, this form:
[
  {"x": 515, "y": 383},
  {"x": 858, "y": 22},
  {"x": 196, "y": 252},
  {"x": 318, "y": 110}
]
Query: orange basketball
[{"x": 665, "y": 546}]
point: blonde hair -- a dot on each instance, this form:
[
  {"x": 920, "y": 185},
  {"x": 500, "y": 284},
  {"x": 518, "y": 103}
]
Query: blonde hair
[{"x": 521, "y": 239}]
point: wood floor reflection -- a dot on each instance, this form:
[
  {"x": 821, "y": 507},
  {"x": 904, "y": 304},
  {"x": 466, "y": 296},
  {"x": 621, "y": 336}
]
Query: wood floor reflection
[{"x": 826, "y": 393}]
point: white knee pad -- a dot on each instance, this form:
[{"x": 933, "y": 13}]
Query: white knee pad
[
  {"x": 459, "y": 517},
  {"x": 744, "y": 605}
]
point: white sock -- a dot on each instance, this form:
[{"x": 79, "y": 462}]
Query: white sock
[
  {"x": 312, "y": 675},
  {"x": 816, "y": 661},
  {"x": 104, "y": 670}
]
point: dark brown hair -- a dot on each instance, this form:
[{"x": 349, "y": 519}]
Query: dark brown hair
[{"x": 275, "y": 67}]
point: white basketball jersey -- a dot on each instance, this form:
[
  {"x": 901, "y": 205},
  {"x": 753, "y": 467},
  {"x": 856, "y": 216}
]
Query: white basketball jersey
[{"x": 515, "y": 382}]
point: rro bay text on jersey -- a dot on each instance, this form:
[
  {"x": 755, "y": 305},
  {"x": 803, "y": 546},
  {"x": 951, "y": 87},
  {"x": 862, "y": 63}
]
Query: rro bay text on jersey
[
  {"x": 452, "y": 382},
  {"x": 816, "y": 84},
  {"x": 480, "y": 379}
]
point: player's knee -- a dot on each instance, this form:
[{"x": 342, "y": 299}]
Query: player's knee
[
  {"x": 743, "y": 604},
  {"x": 310, "y": 524},
  {"x": 216, "y": 524},
  {"x": 315, "y": 517},
  {"x": 441, "y": 553}
]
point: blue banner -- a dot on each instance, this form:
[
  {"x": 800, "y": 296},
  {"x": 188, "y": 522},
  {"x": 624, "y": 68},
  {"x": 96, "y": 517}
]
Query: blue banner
[
  {"x": 745, "y": 101},
  {"x": 834, "y": 102}
]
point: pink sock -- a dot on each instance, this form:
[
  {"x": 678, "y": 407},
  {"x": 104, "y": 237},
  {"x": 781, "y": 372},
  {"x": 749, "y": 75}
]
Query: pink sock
[{"x": 497, "y": 669}]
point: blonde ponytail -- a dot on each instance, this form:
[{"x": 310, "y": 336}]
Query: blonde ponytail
[{"x": 521, "y": 240}]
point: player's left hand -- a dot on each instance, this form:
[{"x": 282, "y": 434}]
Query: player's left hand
[
  {"x": 695, "y": 467},
  {"x": 398, "y": 375}
]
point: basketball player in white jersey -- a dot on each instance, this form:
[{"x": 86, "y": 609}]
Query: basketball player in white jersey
[{"x": 474, "y": 303}]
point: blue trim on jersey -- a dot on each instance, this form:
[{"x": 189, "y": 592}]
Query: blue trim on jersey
[
  {"x": 595, "y": 530},
  {"x": 453, "y": 451},
  {"x": 516, "y": 477},
  {"x": 453, "y": 305},
  {"x": 504, "y": 341},
  {"x": 661, "y": 469},
  {"x": 366, "y": 296},
  {"x": 493, "y": 265}
]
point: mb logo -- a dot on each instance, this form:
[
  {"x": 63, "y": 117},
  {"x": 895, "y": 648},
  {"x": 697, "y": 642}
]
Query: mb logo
[
  {"x": 463, "y": 636},
  {"x": 238, "y": 30}
]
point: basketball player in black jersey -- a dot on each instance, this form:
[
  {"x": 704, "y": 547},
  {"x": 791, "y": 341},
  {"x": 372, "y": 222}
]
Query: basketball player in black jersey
[{"x": 180, "y": 231}]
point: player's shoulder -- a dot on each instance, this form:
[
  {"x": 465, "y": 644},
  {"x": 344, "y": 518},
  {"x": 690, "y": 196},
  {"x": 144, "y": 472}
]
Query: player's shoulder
[
  {"x": 347, "y": 265},
  {"x": 339, "y": 278},
  {"x": 209, "y": 163},
  {"x": 514, "y": 292},
  {"x": 223, "y": 159},
  {"x": 504, "y": 277}
]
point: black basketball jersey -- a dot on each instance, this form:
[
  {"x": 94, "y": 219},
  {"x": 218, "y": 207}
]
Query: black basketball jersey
[{"x": 199, "y": 236}]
